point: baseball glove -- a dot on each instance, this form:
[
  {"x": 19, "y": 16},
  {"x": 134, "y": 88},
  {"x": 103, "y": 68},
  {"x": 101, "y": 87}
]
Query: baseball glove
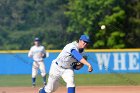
[
  {"x": 44, "y": 55},
  {"x": 78, "y": 65}
]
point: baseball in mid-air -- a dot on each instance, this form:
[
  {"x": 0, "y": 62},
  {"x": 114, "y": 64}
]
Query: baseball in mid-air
[{"x": 103, "y": 27}]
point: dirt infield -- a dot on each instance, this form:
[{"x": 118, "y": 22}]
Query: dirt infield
[{"x": 80, "y": 89}]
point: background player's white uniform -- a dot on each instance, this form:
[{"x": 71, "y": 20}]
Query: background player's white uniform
[
  {"x": 36, "y": 53},
  {"x": 61, "y": 67}
]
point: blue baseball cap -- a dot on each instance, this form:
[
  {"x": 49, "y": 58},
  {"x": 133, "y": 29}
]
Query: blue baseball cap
[
  {"x": 36, "y": 39},
  {"x": 85, "y": 38}
]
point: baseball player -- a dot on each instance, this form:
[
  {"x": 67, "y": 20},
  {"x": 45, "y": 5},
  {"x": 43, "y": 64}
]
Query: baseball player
[
  {"x": 63, "y": 67},
  {"x": 37, "y": 53}
]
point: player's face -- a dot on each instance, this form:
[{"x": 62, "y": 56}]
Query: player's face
[
  {"x": 37, "y": 43},
  {"x": 82, "y": 44}
]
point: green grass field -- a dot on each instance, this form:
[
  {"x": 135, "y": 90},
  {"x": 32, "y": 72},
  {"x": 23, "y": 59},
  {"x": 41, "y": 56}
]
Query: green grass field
[{"x": 80, "y": 80}]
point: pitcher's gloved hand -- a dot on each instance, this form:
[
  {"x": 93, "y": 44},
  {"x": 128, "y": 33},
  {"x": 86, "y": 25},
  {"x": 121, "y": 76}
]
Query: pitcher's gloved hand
[{"x": 77, "y": 65}]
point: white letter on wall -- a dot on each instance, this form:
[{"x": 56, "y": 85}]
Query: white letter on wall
[
  {"x": 119, "y": 58},
  {"x": 133, "y": 59},
  {"x": 103, "y": 60}
]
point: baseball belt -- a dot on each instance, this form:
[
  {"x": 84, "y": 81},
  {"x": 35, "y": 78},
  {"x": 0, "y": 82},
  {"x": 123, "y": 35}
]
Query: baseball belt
[{"x": 60, "y": 66}]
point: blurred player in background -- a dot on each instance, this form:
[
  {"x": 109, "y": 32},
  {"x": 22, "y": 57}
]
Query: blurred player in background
[
  {"x": 62, "y": 65},
  {"x": 37, "y": 53}
]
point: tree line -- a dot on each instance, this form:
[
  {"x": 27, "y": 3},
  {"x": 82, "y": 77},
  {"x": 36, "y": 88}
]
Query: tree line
[{"x": 58, "y": 22}]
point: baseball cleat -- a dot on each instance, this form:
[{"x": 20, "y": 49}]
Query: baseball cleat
[
  {"x": 33, "y": 85},
  {"x": 44, "y": 83},
  {"x": 41, "y": 90}
]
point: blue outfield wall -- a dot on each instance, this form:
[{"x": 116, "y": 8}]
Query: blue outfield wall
[{"x": 103, "y": 61}]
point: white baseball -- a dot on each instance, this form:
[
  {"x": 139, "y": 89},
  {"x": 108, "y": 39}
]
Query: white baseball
[{"x": 102, "y": 26}]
